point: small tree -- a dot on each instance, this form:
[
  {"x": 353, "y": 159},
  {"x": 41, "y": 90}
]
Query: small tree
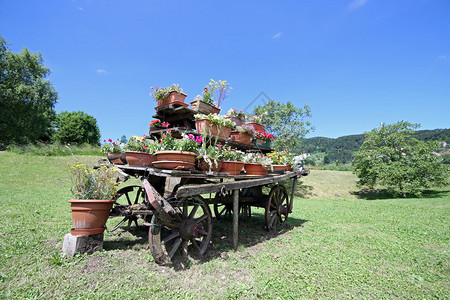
[
  {"x": 76, "y": 127},
  {"x": 392, "y": 157},
  {"x": 286, "y": 122}
]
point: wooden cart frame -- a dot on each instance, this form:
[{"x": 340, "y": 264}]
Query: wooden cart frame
[{"x": 178, "y": 216}]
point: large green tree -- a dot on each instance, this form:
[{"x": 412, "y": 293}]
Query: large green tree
[
  {"x": 392, "y": 157},
  {"x": 289, "y": 124},
  {"x": 77, "y": 128},
  {"x": 26, "y": 98}
]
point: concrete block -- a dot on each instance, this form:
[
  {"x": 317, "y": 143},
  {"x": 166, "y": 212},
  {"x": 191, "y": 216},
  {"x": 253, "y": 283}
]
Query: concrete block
[{"x": 79, "y": 244}]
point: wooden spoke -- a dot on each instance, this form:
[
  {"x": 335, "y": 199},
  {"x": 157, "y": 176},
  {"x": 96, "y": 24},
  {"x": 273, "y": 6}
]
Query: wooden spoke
[
  {"x": 277, "y": 207},
  {"x": 124, "y": 197},
  {"x": 190, "y": 231}
]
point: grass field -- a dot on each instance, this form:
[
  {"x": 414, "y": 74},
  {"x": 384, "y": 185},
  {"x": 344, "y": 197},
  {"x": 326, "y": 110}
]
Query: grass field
[{"x": 340, "y": 243}]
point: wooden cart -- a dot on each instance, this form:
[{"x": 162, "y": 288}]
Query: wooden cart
[{"x": 176, "y": 204}]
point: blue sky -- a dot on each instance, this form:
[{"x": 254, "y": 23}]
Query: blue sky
[{"x": 356, "y": 63}]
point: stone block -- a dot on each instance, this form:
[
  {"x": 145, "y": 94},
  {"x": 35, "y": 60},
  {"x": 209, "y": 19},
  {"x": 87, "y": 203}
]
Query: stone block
[{"x": 80, "y": 244}]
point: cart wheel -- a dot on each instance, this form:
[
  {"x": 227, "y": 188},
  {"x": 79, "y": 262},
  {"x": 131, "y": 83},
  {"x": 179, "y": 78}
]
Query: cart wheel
[
  {"x": 190, "y": 230},
  {"x": 126, "y": 196},
  {"x": 221, "y": 208},
  {"x": 277, "y": 207}
]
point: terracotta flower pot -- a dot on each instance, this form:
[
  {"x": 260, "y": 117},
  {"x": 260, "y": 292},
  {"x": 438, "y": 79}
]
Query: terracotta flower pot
[
  {"x": 255, "y": 169},
  {"x": 139, "y": 159},
  {"x": 205, "y": 126},
  {"x": 241, "y": 137},
  {"x": 117, "y": 158},
  {"x": 204, "y": 166},
  {"x": 172, "y": 156},
  {"x": 173, "y": 98},
  {"x": 279, "y": 167},
  {"x": 89, "y": 216},
  {"x": 237, "y": 121},
  {"x": 232, "y": 167},
  {"x": 204, "y": 107},
  {"x": 256, "y": 126}
]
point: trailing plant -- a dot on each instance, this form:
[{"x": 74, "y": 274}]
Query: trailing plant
[
  {"x": 216, "y": 119},
  {"x": 246, "y": 129},
  {"x": 89, "y": 183},
  {"x": 211, "y": 154},
  {"x": 162, "y": 93}
]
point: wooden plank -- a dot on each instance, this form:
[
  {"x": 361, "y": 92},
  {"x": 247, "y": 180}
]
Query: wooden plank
[
  {"x": 186, "y": 191},
  {"x": 235, "y": 218}
]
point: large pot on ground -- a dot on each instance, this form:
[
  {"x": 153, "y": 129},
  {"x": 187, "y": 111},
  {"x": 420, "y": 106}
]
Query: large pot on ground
[
  {"x": 89, "y": 216},
  {"x": 232, "y": 167},
  {"x": 204, "y": 107},
  {"x": 255, "y": 169},
  {"x": 205, "y": 126},
  {"x": 117, "y": 158},
  {"x": 139, "y": 159}
]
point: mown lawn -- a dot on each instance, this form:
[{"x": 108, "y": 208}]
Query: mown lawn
[{"x": 338, "y": 245}]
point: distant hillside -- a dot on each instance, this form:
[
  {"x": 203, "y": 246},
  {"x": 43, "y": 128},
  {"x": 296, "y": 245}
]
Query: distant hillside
[{"x": 341, "y": 149}]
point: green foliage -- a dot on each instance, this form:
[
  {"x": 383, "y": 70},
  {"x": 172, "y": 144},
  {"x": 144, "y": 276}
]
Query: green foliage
[
  {"x": 392, "y": 157},
  {"x": 76, "y": 128},
  {"x": 56, "y": 149},
  {"x": 286, "y": 122},
  {"x": 26, "y": 98}
]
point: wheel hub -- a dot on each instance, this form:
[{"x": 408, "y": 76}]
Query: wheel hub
[{"x": 190, "y": 229}]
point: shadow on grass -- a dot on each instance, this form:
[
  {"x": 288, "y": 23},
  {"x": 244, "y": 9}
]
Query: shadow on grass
[
  {"x": 384, "y": 194},
  {"x": 251, "y": 233}
]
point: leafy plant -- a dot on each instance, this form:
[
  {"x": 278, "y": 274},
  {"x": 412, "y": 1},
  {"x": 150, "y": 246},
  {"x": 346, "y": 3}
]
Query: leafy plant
[
  {"x": 188, "y": 143},
  {"x": 230, "y": 154},
  {"x": 236, "y": 113},
  {"x": 211, "y": 154},
  {"x": 114, "y": 147},
  {"x": 257, "y": 158},
  {"x": 216, "y": 92},
  {"x": 264, "y": 135},
  {"x": 216, "y": 119},
  {"x": 90, "y": 183},
  {"x": 162, "y": 93},
  {"x": 141, "y": 144},
  {"x": 247, "y": 129}
]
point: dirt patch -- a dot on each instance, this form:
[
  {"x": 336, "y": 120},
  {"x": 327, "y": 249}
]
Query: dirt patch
[{"x": 94, "y": 264}]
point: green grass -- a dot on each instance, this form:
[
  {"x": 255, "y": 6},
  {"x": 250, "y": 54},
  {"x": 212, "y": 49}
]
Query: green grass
[
  {"x": 56, "y": 149},
  {"x": 335, "y": 246}
]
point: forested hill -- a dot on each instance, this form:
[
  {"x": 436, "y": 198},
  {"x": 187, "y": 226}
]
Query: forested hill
[{"x": 341, "y": 149}]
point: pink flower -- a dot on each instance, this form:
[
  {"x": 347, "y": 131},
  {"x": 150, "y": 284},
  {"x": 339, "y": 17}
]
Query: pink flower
[
  {"x": 104, "y": 141},
  {"x": 144, "y": 147},
  {"x": 168, "y": 131},
  {"x": 219, "y": 145},
  {"x": 110, "y": 140}
]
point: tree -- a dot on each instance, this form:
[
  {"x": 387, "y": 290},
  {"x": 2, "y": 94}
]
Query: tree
[
  {"x": 286, "y": 122},
  {"x": 76, "y": 127},
  {"x": 26, "y": 99},
  {"x": 392, "y": 157}
]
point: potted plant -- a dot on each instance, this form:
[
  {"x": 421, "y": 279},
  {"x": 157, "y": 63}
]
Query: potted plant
[
  {"x": 140, "y": 152},
  {"x": 213, "y": 96},
  {"x": 281, "y": 161},
  {"x": 170, "y": 95},
  {"x": 213, "y": 125},
  {"x": 237, "y": 117},
  {"x": 178, "y": 154},
  {"x": 210, "y": 158},
  {"x": 256, "y": 164},
  {"x": 255, "y": 121},
  {"x": 93, "y": 191},
  {"x": 243, "y": 135},
  {"x": 114, "y": 152},
  {"x": 232, "y": 161},
  {"x": 262, "y": 139}
]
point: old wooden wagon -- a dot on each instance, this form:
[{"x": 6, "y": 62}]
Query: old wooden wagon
[{"x": 176, "y": 205}]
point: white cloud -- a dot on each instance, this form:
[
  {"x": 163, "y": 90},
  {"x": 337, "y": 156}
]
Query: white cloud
[
  {"x": 277, "y": 35},
  {"x": 357, "y": 4},
  {"x": 101, "y": 71}
]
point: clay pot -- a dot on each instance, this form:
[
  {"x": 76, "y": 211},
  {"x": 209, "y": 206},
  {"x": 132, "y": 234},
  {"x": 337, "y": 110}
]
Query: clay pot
[
  {"x": 255, "y": 169},
  {"x": 237, "y": 121},
  {"x": 173, "y": 98},
  {"x": 139, "y": 159},
  {"x": 89, "y": 216},
  {"x": 256, "y": 126},
  {"x": 279, "y": 167},
  {"x": 241, "y": 137},
  {"x": 174, "y": 165},
  {"x": 172, "y": 156},
  {"x": 204, "y": 166},
  {"x": 204, "y": 107},
  {"x": 117, "y": 158},
  {"x": 204, "y": 125},
  {"x": 232, "y": 167}
]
